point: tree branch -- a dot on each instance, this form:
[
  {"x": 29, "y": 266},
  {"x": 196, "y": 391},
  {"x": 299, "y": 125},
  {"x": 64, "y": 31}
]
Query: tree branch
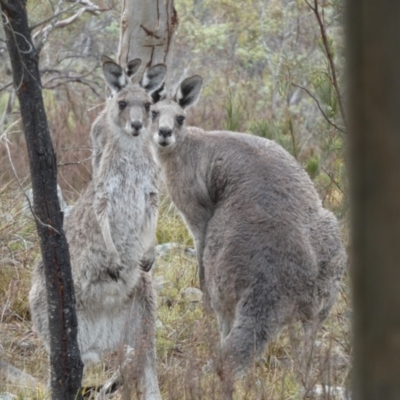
[
  {"x": 334, "y": 181},
  {"x": 88, "y": 6},
  {"x": 74, "y": 162},
  {"x": 63, "y": 77},
  {"x": 6, "y": 86},
  {"x": 320, "y": 108},
  {"x": 30, "y": 205},
  {"x": 56, "y": 15},
  {"x": 329, "y": 56}
]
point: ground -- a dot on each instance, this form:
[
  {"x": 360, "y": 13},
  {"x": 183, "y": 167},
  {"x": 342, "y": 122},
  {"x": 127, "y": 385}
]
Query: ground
[{"x": 187, "y": 337}]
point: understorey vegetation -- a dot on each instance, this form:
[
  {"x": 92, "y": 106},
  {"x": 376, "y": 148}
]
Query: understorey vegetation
[{"x": 272, "y": 68}]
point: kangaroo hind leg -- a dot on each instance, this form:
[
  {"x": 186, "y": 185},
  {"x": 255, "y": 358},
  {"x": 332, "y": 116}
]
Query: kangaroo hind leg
[
  {"x": 140, "y": 335},
  {"x": 258, "y": 320}
]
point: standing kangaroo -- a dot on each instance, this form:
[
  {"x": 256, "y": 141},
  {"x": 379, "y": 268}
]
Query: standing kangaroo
[
  {"x": 268, "y": 252},
  {"x": 111, "y": 232}
]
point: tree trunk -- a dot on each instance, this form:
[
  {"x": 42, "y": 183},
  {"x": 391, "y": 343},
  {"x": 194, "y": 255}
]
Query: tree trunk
[
  {"x": 374, "y": 145},
  {"x": 65, "y": 361},
  {"x": 147, "y": 31}
]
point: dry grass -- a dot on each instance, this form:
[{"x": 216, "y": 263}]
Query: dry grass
[
  {"x": 69, "y": 125},
  {"x": 187, "y": 338}
]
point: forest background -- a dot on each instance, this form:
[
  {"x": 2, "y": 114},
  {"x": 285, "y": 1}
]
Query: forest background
[{"x": 270, "y": 67}]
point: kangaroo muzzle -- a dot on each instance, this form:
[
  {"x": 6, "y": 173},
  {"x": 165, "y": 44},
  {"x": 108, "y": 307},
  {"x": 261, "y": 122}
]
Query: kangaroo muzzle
[
  {"x": 136, "y": 127},
  {"x": 165, "y": 132},
  {"x": 164, "y": 137}
]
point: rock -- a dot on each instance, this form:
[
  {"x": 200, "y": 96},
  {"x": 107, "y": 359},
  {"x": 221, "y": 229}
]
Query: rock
[
  {"x": 158, "y": 282},
  {"x": 8, "y": 396},
  {"x": 165, "y": 248},
  {"x": 191, "y": 295},
  {"x": 334, "y": 392},
  {"x": 190, "y": 251},
  {"x": 16, "y": 376}
]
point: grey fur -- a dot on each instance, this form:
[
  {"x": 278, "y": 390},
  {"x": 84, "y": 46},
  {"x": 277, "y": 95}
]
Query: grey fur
[
  {"x": 114, "y": 75},
  {"x": 269, "y": 253},
  {"x": 111, "y": 233}
]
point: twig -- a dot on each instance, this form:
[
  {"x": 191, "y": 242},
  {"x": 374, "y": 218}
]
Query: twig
[
  {"x": 56, "y": 15},
  {"x": 6, "y": 22},
  {"x": 7, "y": 109},
  {"x": 333, "y": 180},
  {"x": 320, "y": 108},
  {"x": 6, "y": 86},
  {"x": 49, "y": 28},
  {"x": 74, "y": 163},
  {"x": 80, "y": 148},
  {"x": 5, "y": 141},
  {"x": 71, "y": 80},
  {"x": 64, "y": 77},
  {"x": 329, "y": 55},
  {"x": 295, "y": 152},
  {"x": 4, "y": 134},
  {"x": 30, "y": 47},
  {"x": 87, "y": 6}
]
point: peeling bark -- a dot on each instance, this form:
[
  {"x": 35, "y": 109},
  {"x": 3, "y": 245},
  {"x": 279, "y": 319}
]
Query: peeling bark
[{"x": 147, "y": 32}]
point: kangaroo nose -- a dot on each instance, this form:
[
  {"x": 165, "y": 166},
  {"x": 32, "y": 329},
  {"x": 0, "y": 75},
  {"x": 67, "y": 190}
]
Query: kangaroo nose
[
  {"x": 165, "y": 132},
  {"x": 137, "y": 125}
]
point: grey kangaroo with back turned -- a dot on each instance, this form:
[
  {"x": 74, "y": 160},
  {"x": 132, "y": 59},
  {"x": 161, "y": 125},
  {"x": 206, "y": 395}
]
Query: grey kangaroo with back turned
[
  {"x": 268, "y": 252},
  {"x": 111, "y": 233}
]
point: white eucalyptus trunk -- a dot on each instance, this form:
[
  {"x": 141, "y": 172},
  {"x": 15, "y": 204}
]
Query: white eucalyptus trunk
[{"x": 147, "y": 31}]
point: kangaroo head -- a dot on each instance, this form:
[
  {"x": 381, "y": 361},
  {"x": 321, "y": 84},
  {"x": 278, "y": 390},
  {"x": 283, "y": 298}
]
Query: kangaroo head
[
  {"x": 169, "y": 115},
  {"x": 129, "y": 106}
]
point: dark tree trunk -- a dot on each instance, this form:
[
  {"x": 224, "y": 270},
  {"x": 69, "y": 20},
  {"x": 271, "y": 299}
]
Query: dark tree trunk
[
  {"x": 374, "y": 143},
  {"x": 66, "y": 364}
]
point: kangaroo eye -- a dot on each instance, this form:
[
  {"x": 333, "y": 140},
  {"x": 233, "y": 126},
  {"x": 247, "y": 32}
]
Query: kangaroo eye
[
  {"x": 147, "y": 106},
  {"x": 121, "y": 105},
  {"x": 180, "y": 119},
  {"x": 154, "y": 114}
]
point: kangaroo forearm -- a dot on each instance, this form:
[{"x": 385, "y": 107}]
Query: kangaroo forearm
[{"x": 101, "y": 212}]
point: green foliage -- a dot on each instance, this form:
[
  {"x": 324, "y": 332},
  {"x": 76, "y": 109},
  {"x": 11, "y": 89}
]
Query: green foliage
[
  {"x": 113, "y": 28},
  {"x": 282, "y": 134},
  {"x": 252, "y": 54},
  {"x": 234, "y": 114},
  {"x": 326, "y": 94}
]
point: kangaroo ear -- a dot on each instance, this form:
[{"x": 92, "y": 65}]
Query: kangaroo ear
[
  {"x": 153, "y": 77},
  {"x": 114, "y": 74},
  {"x": 189, "y": 91},
  {"x": 159, "y": 94},
  {"x": 133, "y": 67}
]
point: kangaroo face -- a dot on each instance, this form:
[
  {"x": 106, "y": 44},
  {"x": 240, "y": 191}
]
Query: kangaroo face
[
  {"x": 167, "y": 123},
  {"x": 169, "y": 115},
  {"x": 130, "y": 110},
  {"x": 129, "y": 106}
]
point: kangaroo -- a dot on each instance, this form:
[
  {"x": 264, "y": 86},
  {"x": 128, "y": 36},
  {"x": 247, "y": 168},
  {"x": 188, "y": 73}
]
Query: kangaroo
[
  {"x": 268, "y": 252},
  {"x": 111, "y": 232}
]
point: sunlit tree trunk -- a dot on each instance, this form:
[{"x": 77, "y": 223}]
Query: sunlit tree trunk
[
  {"x": 147, "y": 31},
  {"x": 65, "y": 361},
  {"x": 374, "y": 152}
]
